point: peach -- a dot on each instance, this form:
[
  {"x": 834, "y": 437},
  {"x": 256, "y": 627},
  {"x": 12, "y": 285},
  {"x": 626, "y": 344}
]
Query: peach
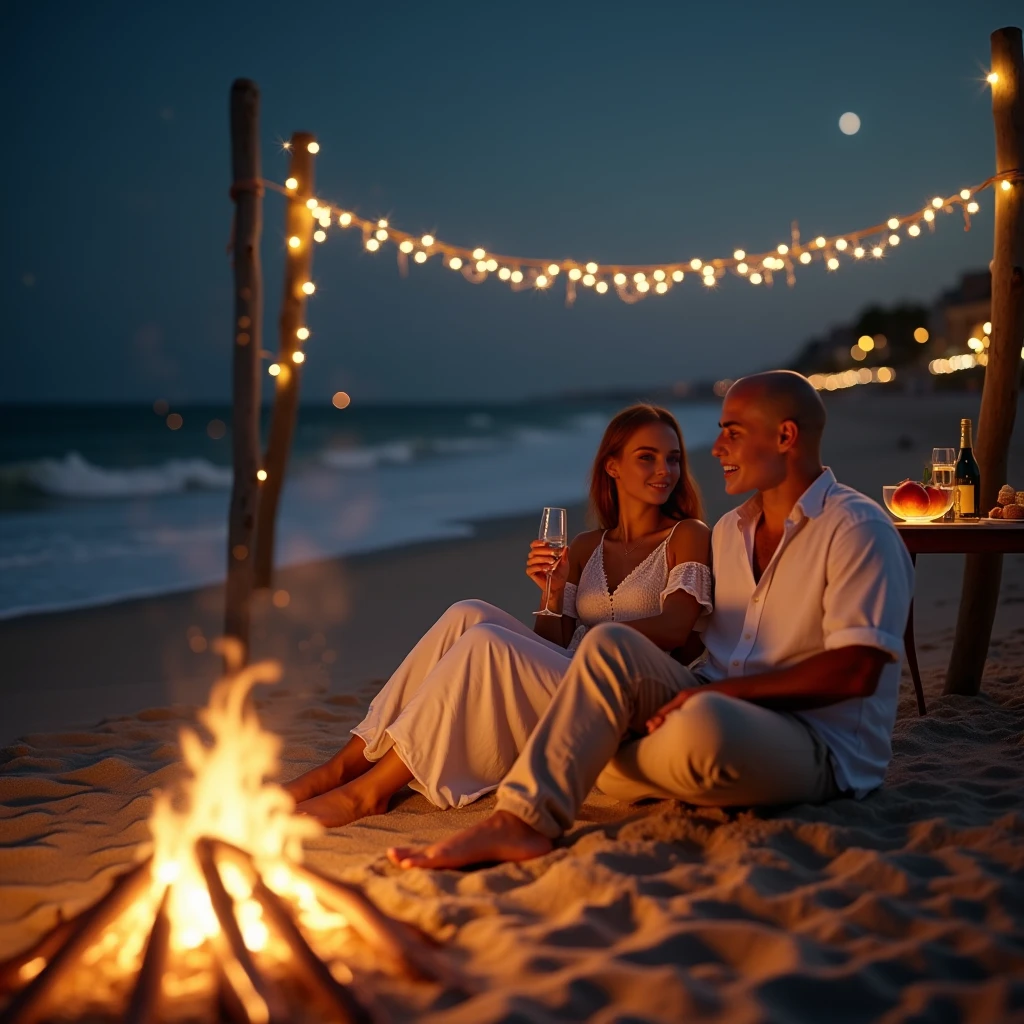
[
  {"x": 911, "y": 499},
  {"x": 937, "y": 499}
]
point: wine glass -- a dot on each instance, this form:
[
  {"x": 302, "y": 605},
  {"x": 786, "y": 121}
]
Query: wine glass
[
  {"x": 554, "y": 533},
  {"x": 943, "y": 469}
]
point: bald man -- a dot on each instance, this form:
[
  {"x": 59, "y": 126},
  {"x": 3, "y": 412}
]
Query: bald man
[{"x": 794, "y": 699}]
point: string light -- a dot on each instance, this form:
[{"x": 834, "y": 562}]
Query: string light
[
  {"x": 298, "y": 357},
  {"x": 291, "y": 183},
  {"x": 635, "y": 281},
  {"x": 302, "y": 333},
  {"x": 274, "y": 369},
  {"x": 320, "y": 236},
  {"x": 992, "y": 77},
  {"x": 261, "y": 475},
  {"x": 308, "y": 288},
  {"x": 294, "y": 241},
  {"x": 313, "y": 147},
  {"x": 1005, "y": 186}
]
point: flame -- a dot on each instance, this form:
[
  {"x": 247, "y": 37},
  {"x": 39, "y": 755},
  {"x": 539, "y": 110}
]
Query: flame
[{"x": 227, "y": 795}]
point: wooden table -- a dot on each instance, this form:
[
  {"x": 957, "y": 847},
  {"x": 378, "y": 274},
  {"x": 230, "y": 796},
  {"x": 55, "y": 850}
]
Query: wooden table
[{"x": 962, "y": 538}]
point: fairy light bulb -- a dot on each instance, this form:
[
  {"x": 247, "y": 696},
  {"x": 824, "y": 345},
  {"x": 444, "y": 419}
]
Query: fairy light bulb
[
  {"x": 782, "y": 250},
  {"x": 517, "y": 277},
  {"x": 406, "y": 246},
  {"x": 372, "y": 245},
  {"x": 302, "y": 333},
  {"x": 965, "y": 193},
  {"x": 381, "y": 234},
  {"x": 575, "y": 274},
  {"x": 739, "y": 254},
  {"x": 992, "y": 77},
  {"x": 308, "y": 288},
  {"x": 553, "y": 269},
  {"x": 877, "y": 252},
  {"x": 893, "y": 223},
  {"x": 420, "y": 257},
  {"x": 858, "y": 252},
  {"x": 382, "y": 223},
  {"x": 833, "y": 264},
  {"x": 261, "y": 475},
  {"x": 591, "y": 268},
  {"x": 291, "y": 183},
  {"x": 311, "y": 204},
  {"x": 344, "y": 219},
  {"x": 504, "y": 273},
  {"x": 320, "y": 236},
  {"x": 696, "y": 264},
  {"x": 643, "y": 286},
  {"x": 479, "y": 254},
  {"x": 313, "y": 147},
  {"x": 973, "y": 207},
  {"x": 1005, "y": 185},
  {"x": 841, "y": 244},
  {"x": 677, "y": 276},
  {"x": 639, "y": 277},
  {"x": 820, "y": 241},
  {"x": 937, "y": 202},
  {"x": 709, "y": 280},
  {"x": 492, "y": 265},
  {"x": 661, "y": 287},
  {"x": 619, "y": 279},
  {"x": 427, "y": 241},
  {"x": 658, "y": 275},
  {"x": 741, "y": 268},
  {"x": 274, "y": 369},
  {"x": 894, "y": 239},
  {"x": 542, "y": 281},
  {"x": 929, "y": 215},
  {"x": 481, "y": 266},
  {"x": 455, "y": 263},
  {"x": 805, "y": 257},
  {"x": 601, "y": 287},
  {"x": 756, "y": 278},
  {"x": 298, "y": 357},
  {"x": 588, "y": 280},
  {"x": 294, "y": 242},
  {"x": 708, "y": 271},
  {"x": 914, "y": 230}
]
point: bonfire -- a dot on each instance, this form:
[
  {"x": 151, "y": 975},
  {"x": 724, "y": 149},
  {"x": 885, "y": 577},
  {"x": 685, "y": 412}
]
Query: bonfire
[{"x": 221, "y": 917}]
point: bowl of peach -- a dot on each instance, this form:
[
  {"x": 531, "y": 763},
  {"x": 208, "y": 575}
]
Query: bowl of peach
[{"x": 917, "y": 503}]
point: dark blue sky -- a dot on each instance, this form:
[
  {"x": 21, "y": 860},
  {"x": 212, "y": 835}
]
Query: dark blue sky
[{"x": 612, "y": 132}]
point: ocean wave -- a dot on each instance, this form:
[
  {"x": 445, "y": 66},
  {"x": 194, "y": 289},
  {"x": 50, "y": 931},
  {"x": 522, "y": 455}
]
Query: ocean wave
[
  {"x": 75, "y": 477},
  {"x": 395, "y": 453}
]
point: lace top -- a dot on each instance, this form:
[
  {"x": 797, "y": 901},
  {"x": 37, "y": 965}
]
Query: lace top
[{"x": 641, "y": 595}]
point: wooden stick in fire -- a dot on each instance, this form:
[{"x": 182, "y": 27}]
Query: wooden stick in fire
[
  {"x": 25, "y": 1007},
  {"x": 12, "y": 971},
  {"x": 144, "y": 1005},
  {"x": 261, "y": 1000}
]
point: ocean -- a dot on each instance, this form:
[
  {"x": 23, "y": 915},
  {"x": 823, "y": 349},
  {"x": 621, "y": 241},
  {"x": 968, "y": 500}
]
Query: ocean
[{"x": 103, "y": 503}]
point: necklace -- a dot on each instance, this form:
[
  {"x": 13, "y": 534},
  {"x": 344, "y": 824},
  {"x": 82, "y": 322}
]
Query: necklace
[{"x": 629, "y": 551}]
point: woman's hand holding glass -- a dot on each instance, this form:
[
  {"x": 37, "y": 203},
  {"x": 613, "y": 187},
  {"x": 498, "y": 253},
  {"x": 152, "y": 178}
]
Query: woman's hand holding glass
[{"x": 544, "y": 562}]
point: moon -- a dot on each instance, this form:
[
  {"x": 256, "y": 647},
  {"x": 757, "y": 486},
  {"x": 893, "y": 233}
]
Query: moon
[{"x": 849, "y": 123}]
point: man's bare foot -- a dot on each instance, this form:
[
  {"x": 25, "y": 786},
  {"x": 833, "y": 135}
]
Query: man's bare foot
[
  {"x": 314, "y": 782},
  {"x": 341, "y": 806},
  {"x": 501, "y": 836}
]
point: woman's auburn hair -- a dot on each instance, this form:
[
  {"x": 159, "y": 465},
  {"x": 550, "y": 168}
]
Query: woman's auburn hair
[{"x": 683, "y": 503}]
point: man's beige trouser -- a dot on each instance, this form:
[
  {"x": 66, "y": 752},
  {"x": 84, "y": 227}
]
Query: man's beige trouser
[{"x": 714, "y": 750}]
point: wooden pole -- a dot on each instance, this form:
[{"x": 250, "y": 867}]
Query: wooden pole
[
  {"x": 980, "y": 593},
  {"x": 247, "y": 191},
  {"x": 297, "y": 270}
]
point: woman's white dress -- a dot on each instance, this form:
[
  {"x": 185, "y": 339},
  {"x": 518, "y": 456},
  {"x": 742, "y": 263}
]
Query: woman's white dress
[{"x": 461, "y": 706}]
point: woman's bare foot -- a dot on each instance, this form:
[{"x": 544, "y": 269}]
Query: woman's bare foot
[
  {"x": 314, "y": 782},
  {"x": 341, "y": 806},
  {"x": 501, "y": 836}
]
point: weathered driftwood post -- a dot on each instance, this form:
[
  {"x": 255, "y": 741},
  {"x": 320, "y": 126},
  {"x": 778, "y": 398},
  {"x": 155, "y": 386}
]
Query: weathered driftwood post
[
  {"x": 247, "y": 192},
  {"x": 1002, "y": 376},
  {"x": 297, "y": 269}
]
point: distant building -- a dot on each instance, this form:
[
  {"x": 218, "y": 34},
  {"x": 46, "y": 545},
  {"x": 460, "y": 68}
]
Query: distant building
[{"x": 959, "y": 313}]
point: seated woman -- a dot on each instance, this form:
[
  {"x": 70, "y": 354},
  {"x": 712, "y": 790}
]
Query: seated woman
[{"x": 453, "y": 718}]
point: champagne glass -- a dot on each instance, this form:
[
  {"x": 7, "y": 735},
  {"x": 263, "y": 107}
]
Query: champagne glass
[
  {"x": 943, "y": 470},
  {"x": 554, "y": 533}
]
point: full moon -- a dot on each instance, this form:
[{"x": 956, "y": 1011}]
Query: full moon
[{"x": 849, "y": 123}]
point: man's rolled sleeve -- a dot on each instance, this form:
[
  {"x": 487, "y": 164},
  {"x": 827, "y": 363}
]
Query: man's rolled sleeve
[{"x": 869, "y": 587}]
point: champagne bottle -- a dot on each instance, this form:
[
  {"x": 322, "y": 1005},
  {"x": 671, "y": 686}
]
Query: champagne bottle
[{"x": 967, "y": 477}]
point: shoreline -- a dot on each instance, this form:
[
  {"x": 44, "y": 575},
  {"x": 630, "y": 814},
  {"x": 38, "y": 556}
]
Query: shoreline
[{"x": 351, "y": 619}]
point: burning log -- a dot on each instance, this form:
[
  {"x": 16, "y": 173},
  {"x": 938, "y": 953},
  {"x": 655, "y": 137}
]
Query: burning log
[
  {"x": 16, "y": 971},
  {"x": 25, "y": 1007},
  {"x": 261, "y": 1000},
  {"x": 145, "y": 1001}
]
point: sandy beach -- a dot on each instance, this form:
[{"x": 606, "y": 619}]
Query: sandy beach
[{"x": 908, "y": 905}]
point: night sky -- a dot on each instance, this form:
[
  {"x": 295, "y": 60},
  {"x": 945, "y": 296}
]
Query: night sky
[{"x": 613, "y": 132}]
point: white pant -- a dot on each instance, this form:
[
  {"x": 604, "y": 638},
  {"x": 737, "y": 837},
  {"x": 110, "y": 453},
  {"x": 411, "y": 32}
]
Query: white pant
[
  {"x": 714, "y": 750},
  {"x": 461, "y": 706}
]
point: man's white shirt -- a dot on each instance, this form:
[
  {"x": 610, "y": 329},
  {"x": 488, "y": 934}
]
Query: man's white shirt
[{"x": 841, "y": 576}]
